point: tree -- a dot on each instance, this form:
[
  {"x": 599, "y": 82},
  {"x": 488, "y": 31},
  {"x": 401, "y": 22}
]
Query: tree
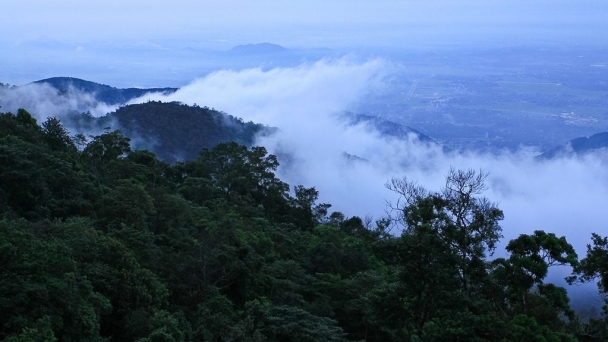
[
  {"x": 107, "y": 147},
  {"x": 441, "y": 257},
  {"x": 308, "y": 212},
  {"x": 44, "y": 293},
  {"x": 56, "y": 136},
  {"x": 595, "y": 264},
  {"x": 244, "y": 176},
  {"x": 466, "y": 223},
  {"x": 521, "y": 277},
  {"x": 22, "y": 125}
]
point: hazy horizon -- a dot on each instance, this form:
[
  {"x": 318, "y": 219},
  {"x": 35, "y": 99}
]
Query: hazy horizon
[
  {"x": 331, "y": 24},
  {"x": 162, "y": 43}
]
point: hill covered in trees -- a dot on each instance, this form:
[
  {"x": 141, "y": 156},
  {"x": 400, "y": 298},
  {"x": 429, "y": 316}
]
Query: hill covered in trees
[
  {"x": 386, "y": 127},
  {"x": 176, "y": 131},
  {"x": 101, "y": 92},
  {"x": 579, "y": 146},
  {"x": 99, "y": 242}
]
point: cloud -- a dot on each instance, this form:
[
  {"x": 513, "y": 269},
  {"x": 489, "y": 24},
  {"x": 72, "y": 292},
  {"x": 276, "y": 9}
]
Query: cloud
[
  {"x": 42, "y": 101},
  {"x": 565, "y": 196}
]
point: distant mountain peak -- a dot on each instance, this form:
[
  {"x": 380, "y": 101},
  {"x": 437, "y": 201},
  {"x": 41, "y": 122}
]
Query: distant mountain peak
[
  {"x": 63, "y": 83},
  {"x": 258, "y": 48},
  {"x": 386, "y": 127}
]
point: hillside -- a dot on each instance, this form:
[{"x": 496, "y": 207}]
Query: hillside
[
  {"x": 104, "y": 243},
  {"x": 579, "y": 146},
  {"x": 173, "y": 131},
  {"x": 386, "y": 127},
  {"x": 101, "y": 92},
  {"x": 176, "y": 131}
]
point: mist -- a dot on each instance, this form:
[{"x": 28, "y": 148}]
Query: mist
[
  {"x": 564, "y": 196},
  {"x": 42, "y": 101}
]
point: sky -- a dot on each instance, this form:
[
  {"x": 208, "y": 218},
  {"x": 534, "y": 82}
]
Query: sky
[
  {"x": 157, "y": 43},
  {"x": 330, "y": 23}
]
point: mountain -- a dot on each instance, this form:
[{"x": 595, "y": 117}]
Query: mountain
[
  {"x": 173, "y": 131},
  {"x": 579, "y": 146},
  {"x": 386, "y": 127},
  {"x": 101, "y": 92},
  {"x": 261, "y": 48}
]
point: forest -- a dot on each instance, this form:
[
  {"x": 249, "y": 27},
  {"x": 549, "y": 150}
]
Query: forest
[{"x": 99, "y": 242}]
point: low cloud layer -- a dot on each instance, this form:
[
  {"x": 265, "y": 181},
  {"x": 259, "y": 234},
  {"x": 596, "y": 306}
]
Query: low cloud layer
[
  {"x": 565, "y": 196},
  {"x": 42, "y": 101}
]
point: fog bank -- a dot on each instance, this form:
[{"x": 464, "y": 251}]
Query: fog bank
[{"x": 564, "y": 196}]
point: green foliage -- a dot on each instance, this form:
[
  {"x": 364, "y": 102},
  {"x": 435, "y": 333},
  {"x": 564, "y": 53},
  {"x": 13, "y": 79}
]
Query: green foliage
[
  {"x": 466, "y": 223},
  {"x": 524, "y": 328},
  {"x": 41, "y": 331},
  {"x": 285, "y": 323},
  {"x": 22, "y": 126},
  {"x": 56, "y": 136},
  {"x": 595, "y": 263},
  {"x": 102, "y": 243},
  {"x": 165, "y": 327},
  {"x": 521, "y": 278},
  {"x": 594, "y": 267},
  {"x": 106, "y": 148},
  {"x": 178, "y": 132},
  {"x": 41, "y": 279}
]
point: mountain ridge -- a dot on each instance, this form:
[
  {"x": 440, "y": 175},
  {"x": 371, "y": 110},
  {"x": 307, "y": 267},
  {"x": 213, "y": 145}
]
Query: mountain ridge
[
  {"x": 175, "y": 131},
  {"x": 101, "y": 92},
  {"x": 259, "y": 48},
  {"x": 579, "y": 146}
]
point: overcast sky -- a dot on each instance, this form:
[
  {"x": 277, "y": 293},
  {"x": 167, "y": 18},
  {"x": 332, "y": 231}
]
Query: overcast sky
[{"x": 330, "y": 23}]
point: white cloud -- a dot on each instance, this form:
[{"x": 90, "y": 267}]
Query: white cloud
[
  {"x": 565, "y": 196},
  {"x": 42, "y": 101}
]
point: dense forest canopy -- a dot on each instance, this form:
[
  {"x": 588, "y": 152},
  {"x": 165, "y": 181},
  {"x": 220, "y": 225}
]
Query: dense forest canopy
[
  {"x": 99, "y": 242},
  {"x": 101, "y": 92},
  {"x": 174, "y": 131}
]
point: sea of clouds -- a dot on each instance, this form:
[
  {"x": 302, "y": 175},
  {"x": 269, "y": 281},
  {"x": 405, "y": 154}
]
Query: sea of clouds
[{"x": 566, "y": 196}]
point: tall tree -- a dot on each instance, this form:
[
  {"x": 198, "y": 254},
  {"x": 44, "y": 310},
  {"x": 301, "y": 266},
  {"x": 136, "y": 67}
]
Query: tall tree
[
  {"x": 441, "y": 257},
  {"x": 463, "y": 220},
  {"x": 56, "y": 136}
]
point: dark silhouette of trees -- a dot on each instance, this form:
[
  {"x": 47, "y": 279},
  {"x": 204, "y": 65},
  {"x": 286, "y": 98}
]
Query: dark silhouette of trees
[{"x": 99, "y": 242}]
